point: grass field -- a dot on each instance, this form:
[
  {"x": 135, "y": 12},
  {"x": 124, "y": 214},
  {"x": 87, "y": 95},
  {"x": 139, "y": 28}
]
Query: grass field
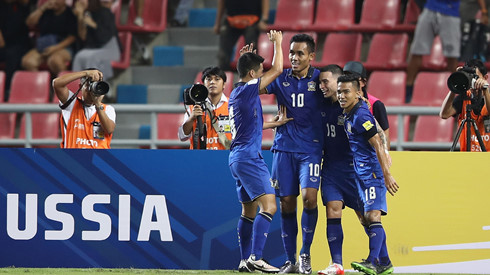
[{"x": 104, "y": 271}]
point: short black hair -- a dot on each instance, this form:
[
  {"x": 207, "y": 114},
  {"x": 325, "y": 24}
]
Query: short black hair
[
  {"x": 303, "y": 37},
  {"x": 333, "y": 68},
  {"x": 247, "y": 62},
  {"x": 477, "y": 63},
  {"x": 354, "y": 78},
  {"x": 213, "y": 71}
]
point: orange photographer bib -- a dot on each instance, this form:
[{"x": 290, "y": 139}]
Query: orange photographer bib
[
  {"x": 82, "y": 133},
  {"x": 482, "y": 122},
  {"x": 223, "y": 120}
]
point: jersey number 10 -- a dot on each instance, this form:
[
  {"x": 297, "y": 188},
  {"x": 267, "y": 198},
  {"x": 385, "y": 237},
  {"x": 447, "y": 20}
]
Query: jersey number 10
[{"x": 298, "y": 100}]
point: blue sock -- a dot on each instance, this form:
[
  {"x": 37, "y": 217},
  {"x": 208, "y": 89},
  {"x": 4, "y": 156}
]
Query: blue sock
[
  {"x": 376, "y": 236},
  {"x": 261, "y": 227},
  {"x": 335, "y": 238},
  {"x": 308, "y": 224},
  {"x": 289, "y": 231},
  {"x": 384, "y": 259},
  {"x": 244, "y": 229}
]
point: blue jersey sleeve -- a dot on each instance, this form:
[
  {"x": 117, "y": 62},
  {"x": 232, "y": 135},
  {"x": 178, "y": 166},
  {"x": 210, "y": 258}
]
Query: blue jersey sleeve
[{"x": 365, "y": 124}]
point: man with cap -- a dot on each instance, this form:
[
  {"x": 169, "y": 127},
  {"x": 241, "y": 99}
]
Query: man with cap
[{"x": 376, "y": 106}]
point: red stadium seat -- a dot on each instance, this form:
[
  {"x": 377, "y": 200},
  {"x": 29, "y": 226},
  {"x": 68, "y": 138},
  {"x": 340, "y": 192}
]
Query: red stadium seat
[
  {"x": 430, "y": 89},
  {"x": 229, "y": 81},
  {"x": 294, "y": 15},
  {"x": 7, "y": 127},
  {"x": 168, "y": 126},
  {"x": 154, "y": 16},
  {"x": 239, "y": 44},
  {"x": 412, "y": 13},
  {"x": 433, "y": 129},
  {"x": 123, "y": 63},
  {"x": 30, "y": 87},
  {"x": 333, "y": 15},
  {"x": 339, "y": 48},
  {"x": 387, "y": 52},
  {"x": 268, "y": 99},
  {"x": 389, "y": 87},
  {"x": 436, "y": 60},
  {"x": 393, "y": 121},
  {"x": 2, "y": 86},
  {"x": 44, "y": 125},
  {"x": 378, "y": 16}
]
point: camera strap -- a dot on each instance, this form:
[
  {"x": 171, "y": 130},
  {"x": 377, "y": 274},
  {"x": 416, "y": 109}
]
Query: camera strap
[
  {"x": 69, "y": 101},
  {"x": 223, "y": 139}
]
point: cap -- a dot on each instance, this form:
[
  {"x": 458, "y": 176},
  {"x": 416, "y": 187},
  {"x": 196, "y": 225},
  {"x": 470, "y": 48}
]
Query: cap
[{"x": 355, "y": 67}]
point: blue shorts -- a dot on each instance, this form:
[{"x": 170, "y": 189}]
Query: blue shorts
[
  {"x": 373, "y": 194},
  {"x": 252, "y": 179},
  {"x": 292, "y": 170},
  {"x": 341, "y": 185}
]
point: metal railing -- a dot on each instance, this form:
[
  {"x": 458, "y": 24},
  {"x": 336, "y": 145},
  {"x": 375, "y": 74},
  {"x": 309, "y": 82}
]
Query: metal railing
[{"x": 153, "y": 109}]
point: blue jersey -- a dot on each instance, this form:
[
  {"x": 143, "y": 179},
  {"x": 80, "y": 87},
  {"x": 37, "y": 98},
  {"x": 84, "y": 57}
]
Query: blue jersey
[
  {"x": 336, "y": 144},
  {"x": 245, "y": 111},
  {"x": 304, "y": 102},
  {"x": 359, "y": 121}
]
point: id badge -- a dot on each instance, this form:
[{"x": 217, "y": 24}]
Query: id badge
[
  {"x": 97, "y": 130},
  {"x": 486, "y": 124}
]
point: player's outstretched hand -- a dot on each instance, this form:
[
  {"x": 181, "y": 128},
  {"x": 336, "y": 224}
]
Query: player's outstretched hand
[
  {"x": 282, "y": 116},
  {"x": 249, "y": 48},
  {"x": 275, "y": 36},
  {"x": 391, "y": 185}
]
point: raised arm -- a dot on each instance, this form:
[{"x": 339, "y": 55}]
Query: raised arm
[
  {"x": 60, "y": 83},
  {"x": 277, "y": 61}
]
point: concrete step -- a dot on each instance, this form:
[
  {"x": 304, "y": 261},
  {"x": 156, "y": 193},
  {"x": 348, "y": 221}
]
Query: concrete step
[
  {"x": 192, "y": 37},
  {"x": 165, "y": 93},
  {"x": 200, "y": 56},
  {"x": 164, "y": 75}
]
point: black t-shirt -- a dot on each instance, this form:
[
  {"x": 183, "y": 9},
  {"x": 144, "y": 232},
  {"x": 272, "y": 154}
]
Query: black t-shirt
[
  {"x": 379, "y": 112},
  {"x": 242, "y": 7},
  {"x": 106, "y": 28},
  {"x": 62, "y": 25}
]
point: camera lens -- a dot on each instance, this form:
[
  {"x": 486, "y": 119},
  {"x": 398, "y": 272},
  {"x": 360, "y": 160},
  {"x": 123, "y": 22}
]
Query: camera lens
[
  {"x": 99, "y": 87},
  {"x": 459, "y": 82}
]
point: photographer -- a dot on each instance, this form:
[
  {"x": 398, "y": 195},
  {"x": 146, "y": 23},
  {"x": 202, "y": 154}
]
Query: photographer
[
  {"x": 85, "y": 121},
  {"x": 478, "y": 99},
  {"x": 216, "y": 113}
]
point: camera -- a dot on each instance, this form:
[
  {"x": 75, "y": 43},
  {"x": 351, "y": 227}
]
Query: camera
[
  {"x": 98, "y": 87},
  {"x": 462, "y": 80},
  {"x": 196, "y": 94}
]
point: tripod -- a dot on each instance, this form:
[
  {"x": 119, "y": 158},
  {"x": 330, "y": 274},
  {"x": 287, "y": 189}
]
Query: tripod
[
  {"x": 470, "y": 123},
  {"x": 200, "y": 136}
]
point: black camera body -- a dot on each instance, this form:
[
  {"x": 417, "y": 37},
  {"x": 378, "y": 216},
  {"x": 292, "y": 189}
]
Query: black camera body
[
  {"x": 462, "y": 80},
  {"x": 196, "y": 94},
  {"x": 98, "y": 87}
]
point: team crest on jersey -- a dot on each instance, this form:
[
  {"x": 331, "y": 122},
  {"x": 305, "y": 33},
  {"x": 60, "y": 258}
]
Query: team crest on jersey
[
  {"x": 340, "y": 120},
  {"x": 285, "y": 84},
  {"x": 311, "y": 86},
  {"x": 367, "y": 125}
]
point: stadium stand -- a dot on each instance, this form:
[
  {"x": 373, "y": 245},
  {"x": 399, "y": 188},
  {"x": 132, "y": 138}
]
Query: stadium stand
[
  {"x": 436, "y": 60},
  {"x": 168, "y": 127},
  {"x": 433, "y": 129},
  {"x": 333, "y": 15},
  {"x": 294, "y": 15},
  {"x": 410, "y": 18},
  {"x": 229, "y": 81},
  {"x": 387, "y": 51},
  {"x": 123, "y": 63},
  {"x": 393, "y": 121},
  {"x": 339, "y": 48},
  {"x": 154, "y": 17},
  {"x": 378, "y": 16},
  {"x": 2, "y": 86},
  {"x": 430, "y": 89},
  {"x": 389, "y": 87}
]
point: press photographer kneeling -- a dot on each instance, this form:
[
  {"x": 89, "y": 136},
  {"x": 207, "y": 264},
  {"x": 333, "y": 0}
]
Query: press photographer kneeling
[
  {"x": 85, "y": 122},
  {"x": 469, "y": 100},
  {"x": 206, "y": 121}
]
